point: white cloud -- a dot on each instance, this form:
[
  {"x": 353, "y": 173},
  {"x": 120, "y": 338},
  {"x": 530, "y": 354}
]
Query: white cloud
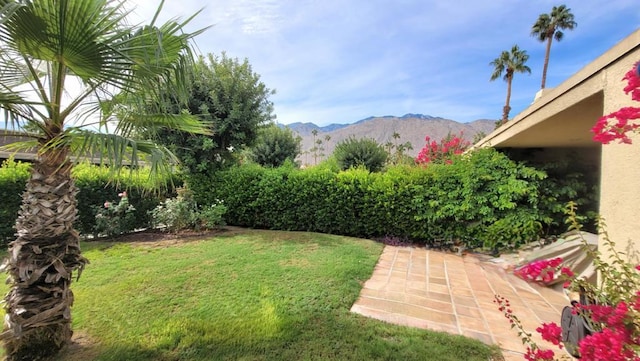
[{"x": 343, "y": 60}]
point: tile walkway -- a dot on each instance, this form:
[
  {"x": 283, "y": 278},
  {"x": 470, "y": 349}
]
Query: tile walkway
[{"x": 446, "y": 292}]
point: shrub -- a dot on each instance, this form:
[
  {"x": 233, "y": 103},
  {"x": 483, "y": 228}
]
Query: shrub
[
  {"x": 237, "y": 187},
  {"x": 175, "y": 214},
  {"x": 181, "y": 212},
  {"x": 212, "y": 216},
  {"x": 275, "y": 145},
  {"x": 365, "y": 152},
  {"x": 113, "y": 218}
]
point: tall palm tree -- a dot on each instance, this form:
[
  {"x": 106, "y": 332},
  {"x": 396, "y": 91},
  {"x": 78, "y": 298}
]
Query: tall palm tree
[
  {"x": 118, "y": 69},
  {"x": 549, "y": 27},
  {"x": 509, "y": 63}
]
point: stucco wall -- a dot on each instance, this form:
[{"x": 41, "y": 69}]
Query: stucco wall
[{"x": 620, "y": 175}]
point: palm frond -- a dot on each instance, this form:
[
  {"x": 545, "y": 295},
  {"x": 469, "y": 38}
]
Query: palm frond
[
  {"x": 20, "y": 146},
  {"x": 151, "y": 123},
  {"x": 119, "y": 152},
  {"x": 540, "y": 28},
  {"x": 510, "y": 62},
  {"x": 48, "y": 40}
]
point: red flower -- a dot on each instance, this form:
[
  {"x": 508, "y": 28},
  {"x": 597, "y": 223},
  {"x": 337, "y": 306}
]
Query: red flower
[
  {"x": 551, "y": 332},
  {"x": 566, "y": 272},
  {"x": 606, "y": 132},
  {"x": 538, "y": 355},
  {"x": 540, "y": 271},
  {"x": 606, "y": 345},
  {"x": 443, "y": 151}
]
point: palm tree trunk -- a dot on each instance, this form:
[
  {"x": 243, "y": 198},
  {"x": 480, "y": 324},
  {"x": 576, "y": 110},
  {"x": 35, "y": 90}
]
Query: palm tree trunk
[
  {"x": 507, "y": 108},
  {"x": 41, "y": 262},
  {"x": 546, "y": 62}
]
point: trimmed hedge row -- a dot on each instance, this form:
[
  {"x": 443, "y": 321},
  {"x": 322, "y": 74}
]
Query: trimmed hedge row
[
  {"x": 95, "y": 188},
  {"x": 470, "y": 200},
  {"x": 13, "y": 178}
]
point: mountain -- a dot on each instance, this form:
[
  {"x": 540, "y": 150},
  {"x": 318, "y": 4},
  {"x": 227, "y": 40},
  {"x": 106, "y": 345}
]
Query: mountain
[
  {"x": 305, "y": 129},
  {"x": 412, "y": 128}
]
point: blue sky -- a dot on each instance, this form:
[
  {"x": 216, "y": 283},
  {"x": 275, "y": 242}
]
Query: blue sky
[{"x": 339, "y": 61}]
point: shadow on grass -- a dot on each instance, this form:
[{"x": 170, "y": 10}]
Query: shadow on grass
[{"x": 322, "y": 336}]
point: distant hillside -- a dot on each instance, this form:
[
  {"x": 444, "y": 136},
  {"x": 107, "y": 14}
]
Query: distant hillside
[
  {"x": 412, "y": 128},
  {"x": 305, "y": 129}
]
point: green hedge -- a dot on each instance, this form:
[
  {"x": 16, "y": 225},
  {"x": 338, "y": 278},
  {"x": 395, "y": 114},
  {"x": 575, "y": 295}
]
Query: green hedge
[
  {"x": 471, "y": 200},
  {"x": 95, "y": 185},
  {"x": 13, "y": 177}
]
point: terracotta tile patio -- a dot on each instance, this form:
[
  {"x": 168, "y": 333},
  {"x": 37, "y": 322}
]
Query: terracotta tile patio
[{"x": 446, "y": 292}]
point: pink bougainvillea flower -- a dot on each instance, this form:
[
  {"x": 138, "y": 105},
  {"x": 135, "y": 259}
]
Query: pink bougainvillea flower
[
  {"x": 636, "y": 304},
  {"x": 551, "y": 332},
  {"x": 443, "y": 151},
  {"x": 566, "y": 272},
  {"x": 539, "y": 355},
  {"x": 606, "y": 129},
  {"x": 543, "y": 270},
  {"x": 633, "y": 82},
  {"x": 606, "y": 345}
]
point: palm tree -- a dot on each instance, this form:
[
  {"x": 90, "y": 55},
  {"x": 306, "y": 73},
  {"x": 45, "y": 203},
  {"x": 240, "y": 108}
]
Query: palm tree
[
  {"x": 509, "y": 63},
  {"x": 548, "y": 27},
  {"x": 118, "y": 69}
]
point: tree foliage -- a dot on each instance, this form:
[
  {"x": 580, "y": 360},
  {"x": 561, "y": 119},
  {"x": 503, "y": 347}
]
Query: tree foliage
[
  {"x": 275, "y": 145},
  {"x": 226, "y": 92},
  {"x": 548, "y": 27},
  {"x": 366, "y": 152},
  {"x": 509, "y": 63}
]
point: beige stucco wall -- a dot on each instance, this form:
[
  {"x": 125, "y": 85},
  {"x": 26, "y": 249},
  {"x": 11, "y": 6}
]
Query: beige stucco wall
[{"x": 620, "y": 174}]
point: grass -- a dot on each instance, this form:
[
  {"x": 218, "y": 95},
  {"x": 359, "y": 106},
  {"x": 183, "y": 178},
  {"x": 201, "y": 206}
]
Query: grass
[{"x": 249, "y": 295}]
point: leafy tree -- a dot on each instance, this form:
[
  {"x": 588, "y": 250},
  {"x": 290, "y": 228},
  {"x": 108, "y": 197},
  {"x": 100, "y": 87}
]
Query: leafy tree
[
  {"x": 275, "y": 145},
  {"x": 509, "y": 63},
  {"x": 365, "y": 152},
  {"x": 50, "y": 45},
  {"x": 227, "y": 93},
  {"x": 549, "y": 27}
]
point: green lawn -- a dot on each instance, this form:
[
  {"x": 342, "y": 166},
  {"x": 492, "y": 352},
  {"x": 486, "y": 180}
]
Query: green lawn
[{"x": 248, "y": 295}]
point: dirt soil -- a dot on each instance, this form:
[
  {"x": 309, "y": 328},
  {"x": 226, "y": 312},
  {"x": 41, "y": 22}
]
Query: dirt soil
[{"x": 159, "y": 238}]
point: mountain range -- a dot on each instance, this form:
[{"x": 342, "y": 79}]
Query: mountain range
[{"x": 412, "y": 128}]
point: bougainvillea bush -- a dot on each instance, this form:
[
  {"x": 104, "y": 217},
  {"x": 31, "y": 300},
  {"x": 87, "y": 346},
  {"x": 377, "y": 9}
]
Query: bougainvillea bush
[
  {"x": 443, "y": 151},
  {"x": 610, "y": 308},
  {"x": 618, "y": 125}
]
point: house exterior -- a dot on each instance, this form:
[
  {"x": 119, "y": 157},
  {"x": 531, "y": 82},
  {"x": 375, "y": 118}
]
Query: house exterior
[
  {"x": 12, "y": 136},
  {"x": 558, "y": 125}
]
